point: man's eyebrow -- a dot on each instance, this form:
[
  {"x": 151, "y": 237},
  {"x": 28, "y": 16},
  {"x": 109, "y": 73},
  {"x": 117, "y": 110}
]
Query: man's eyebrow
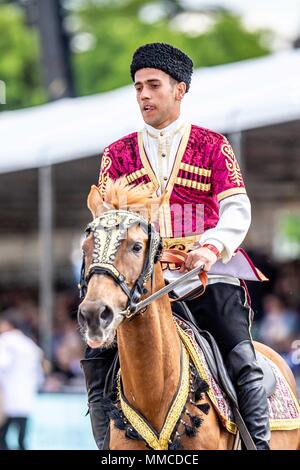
[{"x": 151, "y": 80}]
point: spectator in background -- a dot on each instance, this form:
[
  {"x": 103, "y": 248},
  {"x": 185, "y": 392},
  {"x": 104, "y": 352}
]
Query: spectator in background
[
  {"x": 279, "y": 326},
  {"x": 259, "y": 290},
  {"x": 67, "y": 343},
  {"x": 21, "y": 374},
  {"x": 288, "y": 284}
]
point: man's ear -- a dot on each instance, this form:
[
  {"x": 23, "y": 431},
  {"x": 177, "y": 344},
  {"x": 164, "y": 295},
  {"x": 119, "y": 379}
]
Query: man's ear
[
  {"x": 95, "y": 202},
  {"x": 180, "y": 90}
]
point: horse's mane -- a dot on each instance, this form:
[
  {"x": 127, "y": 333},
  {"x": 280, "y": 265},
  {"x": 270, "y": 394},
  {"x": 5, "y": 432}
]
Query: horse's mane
[{"x": 120, "y": 195}]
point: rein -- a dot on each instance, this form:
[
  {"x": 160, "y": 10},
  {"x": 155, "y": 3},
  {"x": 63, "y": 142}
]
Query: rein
[{"x": 165, "y": 290}]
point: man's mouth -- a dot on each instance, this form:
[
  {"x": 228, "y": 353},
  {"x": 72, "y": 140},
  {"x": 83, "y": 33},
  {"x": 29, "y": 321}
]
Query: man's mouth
[{"x": 148, "y": 108}]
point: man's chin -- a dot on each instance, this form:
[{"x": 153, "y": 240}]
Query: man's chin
[{"x": 151, "y": 122}]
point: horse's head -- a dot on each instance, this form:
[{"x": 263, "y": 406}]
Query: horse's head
[{"x": 119, "y": 251}]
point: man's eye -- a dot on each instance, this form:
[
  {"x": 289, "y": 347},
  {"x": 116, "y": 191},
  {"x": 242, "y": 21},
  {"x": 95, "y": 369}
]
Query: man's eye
[{"x": 137, "y": 248}]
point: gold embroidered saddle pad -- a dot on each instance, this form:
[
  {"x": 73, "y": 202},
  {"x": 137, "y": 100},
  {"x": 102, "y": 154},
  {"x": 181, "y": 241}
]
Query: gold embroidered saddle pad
[{"x": 283, "y": 406}]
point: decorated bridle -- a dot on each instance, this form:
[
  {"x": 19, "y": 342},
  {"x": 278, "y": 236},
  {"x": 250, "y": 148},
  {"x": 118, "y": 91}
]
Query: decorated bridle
[{"x": 108, "y": 232}]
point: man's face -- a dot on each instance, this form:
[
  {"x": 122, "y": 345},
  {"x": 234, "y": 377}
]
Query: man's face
[
  {"x": 5, "y": 326},
  {"x": 158, "y": 97}
]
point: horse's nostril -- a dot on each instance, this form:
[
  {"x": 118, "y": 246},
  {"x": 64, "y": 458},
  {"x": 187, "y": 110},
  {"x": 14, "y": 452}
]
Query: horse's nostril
[{"x": 106, "y": 316}]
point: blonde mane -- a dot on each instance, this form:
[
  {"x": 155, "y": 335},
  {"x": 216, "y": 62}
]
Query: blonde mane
[{"x": 120, "y": 195}]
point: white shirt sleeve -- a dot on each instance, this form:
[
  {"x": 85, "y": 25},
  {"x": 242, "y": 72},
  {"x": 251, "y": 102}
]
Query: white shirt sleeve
[{"x": 233, "y": 225}]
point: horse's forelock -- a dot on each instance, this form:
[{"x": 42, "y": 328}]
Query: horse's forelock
[{"x": 120, "y": 195}]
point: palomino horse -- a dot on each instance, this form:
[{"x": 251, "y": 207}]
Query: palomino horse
[{"x": 149, "y": 345}]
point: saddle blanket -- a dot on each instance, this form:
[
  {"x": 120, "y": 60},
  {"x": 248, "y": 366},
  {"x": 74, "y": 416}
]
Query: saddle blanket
[{"x": 283, "y": 405}]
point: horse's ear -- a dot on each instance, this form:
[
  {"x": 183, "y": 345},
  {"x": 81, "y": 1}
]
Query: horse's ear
[{"x": 95, "y": 202}]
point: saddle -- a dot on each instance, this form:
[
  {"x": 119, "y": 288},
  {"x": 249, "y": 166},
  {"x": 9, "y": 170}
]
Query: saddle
[
  {"x": 215, "y": 362},
  {"x": 214, "y": 358}
]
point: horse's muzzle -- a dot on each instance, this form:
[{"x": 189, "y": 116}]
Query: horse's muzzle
[{"x": 95, "y": 315}]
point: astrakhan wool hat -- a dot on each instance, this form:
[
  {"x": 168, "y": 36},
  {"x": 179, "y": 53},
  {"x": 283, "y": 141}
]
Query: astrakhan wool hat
[{"x": 164, "y": 57}]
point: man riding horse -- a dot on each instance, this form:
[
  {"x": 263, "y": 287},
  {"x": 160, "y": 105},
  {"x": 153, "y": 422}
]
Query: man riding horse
[{"x": 205, "y": 211}]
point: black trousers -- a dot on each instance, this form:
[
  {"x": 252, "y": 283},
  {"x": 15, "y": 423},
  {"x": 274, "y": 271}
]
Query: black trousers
[
  {"x": 21, "y": 425},
  {"x": 223, "y": 310}
]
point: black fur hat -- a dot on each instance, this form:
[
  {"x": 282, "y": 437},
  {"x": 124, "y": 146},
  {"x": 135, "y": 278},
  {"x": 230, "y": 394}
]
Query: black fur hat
[{"x": 164, "y": 57}]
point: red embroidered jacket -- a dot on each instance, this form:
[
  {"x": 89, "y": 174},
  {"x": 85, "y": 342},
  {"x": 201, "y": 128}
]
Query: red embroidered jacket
[{"x": 204, "y": 173}]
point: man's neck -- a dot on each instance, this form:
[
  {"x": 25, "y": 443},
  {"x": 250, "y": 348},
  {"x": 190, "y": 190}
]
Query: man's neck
[
  {"x": 166, "y": 123},
  {"x": 169, "y": 127}
]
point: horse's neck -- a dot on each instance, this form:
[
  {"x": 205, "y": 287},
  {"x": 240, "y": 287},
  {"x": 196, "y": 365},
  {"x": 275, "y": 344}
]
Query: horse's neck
[{"x": 149, "y": 351}]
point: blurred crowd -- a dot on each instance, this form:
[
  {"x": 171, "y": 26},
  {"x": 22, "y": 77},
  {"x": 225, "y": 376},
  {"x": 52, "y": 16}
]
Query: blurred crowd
[
  {"x": 63, "y": 373},
  {"x": 276, "y": 306}
]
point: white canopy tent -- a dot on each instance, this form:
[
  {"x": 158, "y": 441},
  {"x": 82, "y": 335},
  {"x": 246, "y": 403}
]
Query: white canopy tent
[{"x": 227, "y": 98}]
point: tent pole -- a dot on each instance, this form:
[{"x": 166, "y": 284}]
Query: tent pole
[{"x": 46, "y": 259}]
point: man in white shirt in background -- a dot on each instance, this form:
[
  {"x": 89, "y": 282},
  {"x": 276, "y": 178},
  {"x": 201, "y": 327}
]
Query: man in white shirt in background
[{"x": 21, "y": 375}]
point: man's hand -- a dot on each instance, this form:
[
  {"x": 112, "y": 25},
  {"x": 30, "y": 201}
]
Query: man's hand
[{"x": 198, "y": 257}]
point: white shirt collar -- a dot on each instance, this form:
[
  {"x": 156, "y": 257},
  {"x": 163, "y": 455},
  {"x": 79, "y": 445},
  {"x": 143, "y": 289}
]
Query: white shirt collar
[{"x": 171, "y": 128}]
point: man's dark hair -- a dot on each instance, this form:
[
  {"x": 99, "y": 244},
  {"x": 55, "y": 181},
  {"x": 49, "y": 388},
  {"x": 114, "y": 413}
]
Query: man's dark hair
[{"x": 12, "y": 317}]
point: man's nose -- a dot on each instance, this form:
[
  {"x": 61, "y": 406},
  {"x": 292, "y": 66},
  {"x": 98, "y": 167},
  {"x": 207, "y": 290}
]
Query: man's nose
[
  {"x": 145, "y": 94},
  {"x": 94, "y": 314}
]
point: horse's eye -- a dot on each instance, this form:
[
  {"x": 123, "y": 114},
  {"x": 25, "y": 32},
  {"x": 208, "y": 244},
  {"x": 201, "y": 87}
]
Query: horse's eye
[{"x": 137, "y": 247}]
